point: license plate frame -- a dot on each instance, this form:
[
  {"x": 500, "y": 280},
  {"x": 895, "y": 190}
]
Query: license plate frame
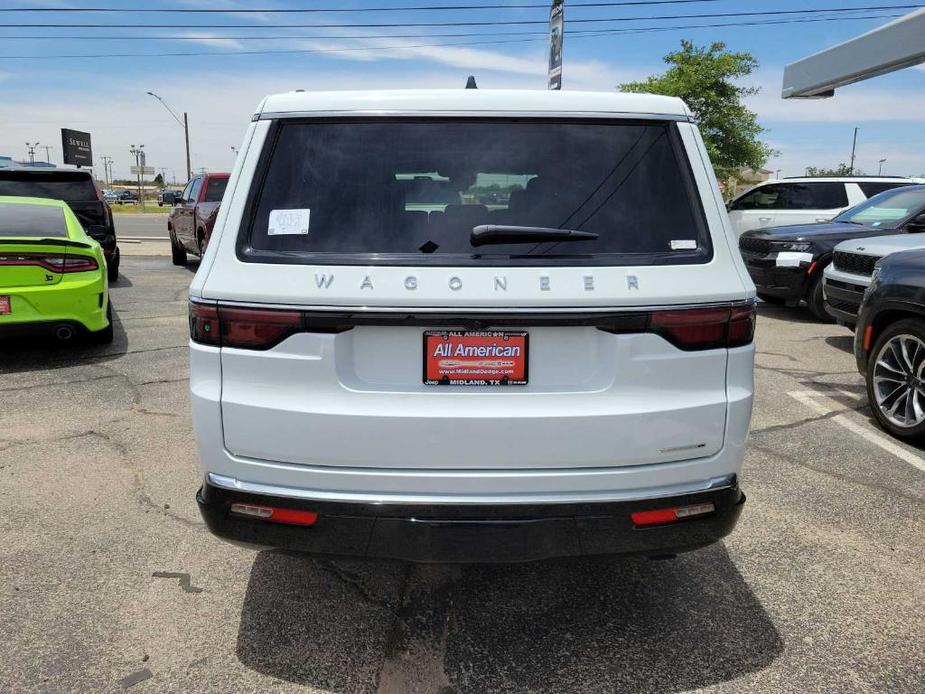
[
  {"x": 6, "y": 305},
  {"x": 483, "y": 365}
]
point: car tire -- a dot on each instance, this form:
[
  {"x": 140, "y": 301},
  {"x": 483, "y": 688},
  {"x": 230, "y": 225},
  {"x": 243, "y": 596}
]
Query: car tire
[
  {"x": 913, "y": 330},
  {"x": 201, "y": 242},
  {"x": 104, "y": 336},
  {"x": 177, "y": 252},
  {"x": 112, "y": 269},
  {"x": 816, "y": 302},
  {"x": 770, "y": 299}
]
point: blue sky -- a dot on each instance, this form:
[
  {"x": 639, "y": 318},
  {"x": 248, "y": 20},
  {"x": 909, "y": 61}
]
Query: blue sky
[{"x": 106, "y": 95}]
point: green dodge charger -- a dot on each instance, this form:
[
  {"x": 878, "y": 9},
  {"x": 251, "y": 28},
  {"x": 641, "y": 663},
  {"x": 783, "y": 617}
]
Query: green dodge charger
[{"x": 52, "y": 274}]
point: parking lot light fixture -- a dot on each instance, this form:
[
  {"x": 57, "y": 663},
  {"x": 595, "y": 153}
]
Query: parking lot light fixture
[{"x": 184, "y": 123}]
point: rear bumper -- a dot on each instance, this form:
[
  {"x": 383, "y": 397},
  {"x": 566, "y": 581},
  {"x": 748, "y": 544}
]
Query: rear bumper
[
  {"x": 467, "y": 533},
  {"x": 75, "y": 301}
]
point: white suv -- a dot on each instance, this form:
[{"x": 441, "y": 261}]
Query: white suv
[
  {"x": 472, "y": 326},
  {"x": 805, "y": 200}
]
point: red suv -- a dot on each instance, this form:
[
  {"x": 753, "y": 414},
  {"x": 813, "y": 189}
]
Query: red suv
[{"x": 193, "y": 216}]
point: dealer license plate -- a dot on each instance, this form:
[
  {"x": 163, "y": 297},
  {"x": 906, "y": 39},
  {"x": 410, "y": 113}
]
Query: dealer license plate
[{"x": 491, "y": 358}]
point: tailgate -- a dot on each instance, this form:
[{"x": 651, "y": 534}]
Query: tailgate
[{"x": 593, "y": 397}]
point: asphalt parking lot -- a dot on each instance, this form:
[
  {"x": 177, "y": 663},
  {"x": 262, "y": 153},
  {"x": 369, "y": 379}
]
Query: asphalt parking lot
[{"x": 109, "y": 580}]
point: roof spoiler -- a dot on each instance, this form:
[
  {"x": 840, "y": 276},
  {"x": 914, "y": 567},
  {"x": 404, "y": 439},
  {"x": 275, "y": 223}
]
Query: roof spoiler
[{"x": 47, "y": 241}]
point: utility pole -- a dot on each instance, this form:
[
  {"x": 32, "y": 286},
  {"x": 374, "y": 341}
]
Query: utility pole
[
  {"x": 32, "y": 147},
  {"x": 185, "y": 125},
  {"x": 880, "y": 168},
  {"x": 854, "y": 146},
  {"x": 107, "y": 172},
  {"x": 47, "y": 149},
  {"x": 139, "y": 154}
]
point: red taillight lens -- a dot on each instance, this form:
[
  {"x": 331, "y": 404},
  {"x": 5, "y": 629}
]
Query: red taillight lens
[
  {"x": 244, "y": 328},
  {"x": 289, "y": 516},
  {"x": 706, "y": 328},
  {"x": 741, "y": 325},
  {"x": 203, "y": 324},
  {"x": 661, "y": 516},
  {"x": 257, "y": 328},
  {"x": 51, "y": 262}
]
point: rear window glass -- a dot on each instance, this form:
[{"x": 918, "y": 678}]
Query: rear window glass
[
  {"x": 411, "y": 192},
  {"x": 77, "y": 189},
  {"x": 36, "y": 221},
  {"x": 216, "y": 189}
]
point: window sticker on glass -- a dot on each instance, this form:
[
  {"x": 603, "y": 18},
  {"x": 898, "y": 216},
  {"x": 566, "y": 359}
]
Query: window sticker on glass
[
  {"x": 684, "y": 244},
  {"x": 288, "y": 222}
]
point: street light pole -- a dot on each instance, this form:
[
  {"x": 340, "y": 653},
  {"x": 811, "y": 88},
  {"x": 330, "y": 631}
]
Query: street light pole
[
  {"x": 854, "y": 146},
  {"x": 185, "y": 125},
  {"x": 880, "y": 168},
  {"x": 138, "y": 153}
]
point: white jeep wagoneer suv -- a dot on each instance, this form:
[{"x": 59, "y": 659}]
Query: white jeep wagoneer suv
[{"x": 472, "y": 326}]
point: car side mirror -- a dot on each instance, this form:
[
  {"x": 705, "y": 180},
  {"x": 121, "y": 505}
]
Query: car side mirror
[{"x": 916, "y": 225}]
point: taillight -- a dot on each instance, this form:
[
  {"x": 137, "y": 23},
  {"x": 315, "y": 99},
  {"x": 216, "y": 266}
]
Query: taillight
[
  {"x": 706, "y": 328},
  {"x": 51, "y": 262},
  {"x": 245, "y": 328},
  {"x": 203, "y": 324},
  {"x": 257, "y": 328}
]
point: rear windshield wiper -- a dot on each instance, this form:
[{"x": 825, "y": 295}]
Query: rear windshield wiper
[{"x": 485, "y": 234}]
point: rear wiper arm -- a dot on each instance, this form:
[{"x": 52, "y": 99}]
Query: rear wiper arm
[{"x": 485, "y": 234}]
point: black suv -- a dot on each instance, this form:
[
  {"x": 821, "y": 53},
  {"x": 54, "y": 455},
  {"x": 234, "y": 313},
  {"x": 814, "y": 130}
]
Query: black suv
[
  {"x": 889, "y": 344},
  {"x": 786, "y": 263},
  {"x": 79, "y": 191}
]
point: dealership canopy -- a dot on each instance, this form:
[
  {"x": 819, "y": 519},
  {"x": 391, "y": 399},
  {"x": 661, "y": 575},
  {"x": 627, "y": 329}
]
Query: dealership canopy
[{"x": 893, "y": 46}]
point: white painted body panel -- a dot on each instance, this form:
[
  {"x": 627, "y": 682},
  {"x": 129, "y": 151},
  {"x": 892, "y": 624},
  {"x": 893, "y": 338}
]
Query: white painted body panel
[{"x": 346, "y": 416}]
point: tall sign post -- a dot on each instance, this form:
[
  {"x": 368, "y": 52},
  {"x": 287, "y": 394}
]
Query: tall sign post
[
  {"x": 75, "y": 146},
  {"x": 556, "y": 35}
]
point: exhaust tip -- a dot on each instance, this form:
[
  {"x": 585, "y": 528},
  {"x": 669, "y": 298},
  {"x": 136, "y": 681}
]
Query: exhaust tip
[{"x": 64, "y": 332}]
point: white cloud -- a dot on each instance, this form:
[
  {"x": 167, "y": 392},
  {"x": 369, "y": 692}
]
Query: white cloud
[{"x": 210, "y": 39}]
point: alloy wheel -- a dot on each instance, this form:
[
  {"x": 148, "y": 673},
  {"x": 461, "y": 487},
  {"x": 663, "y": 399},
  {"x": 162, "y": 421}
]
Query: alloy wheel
[{"x": 898, "y": 383}]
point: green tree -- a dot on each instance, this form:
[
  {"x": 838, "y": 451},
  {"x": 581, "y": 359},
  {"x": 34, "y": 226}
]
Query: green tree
[
  {"x": 706, "y": 79},
  {"x": 840, "y": 170},
  {"x": 159, "y": 181}
]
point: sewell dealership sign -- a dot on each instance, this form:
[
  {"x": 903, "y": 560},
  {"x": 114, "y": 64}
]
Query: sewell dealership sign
[{"x": 76, "y": 147}]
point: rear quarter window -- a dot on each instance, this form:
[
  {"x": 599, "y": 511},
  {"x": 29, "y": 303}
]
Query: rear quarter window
[
  {"x": 32, "y": 221},
  {"x": 410, "y": 191},
  {"x": 873, "y": 188}
]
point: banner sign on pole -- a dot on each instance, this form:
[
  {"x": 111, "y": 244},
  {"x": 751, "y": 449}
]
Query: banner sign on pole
[
  {"x": 556, "y": 29},
  {"x": 76, "y": 147}
]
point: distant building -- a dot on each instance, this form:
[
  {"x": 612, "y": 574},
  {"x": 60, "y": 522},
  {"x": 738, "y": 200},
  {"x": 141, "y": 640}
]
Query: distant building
[{"x": 7, "y": 162}]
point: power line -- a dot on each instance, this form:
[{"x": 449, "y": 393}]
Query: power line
[
  {"x": 320, "y": 10},
  {"x": 472, "y": 34},
  {"x": 384, "y": 25},
  {"x": 574, "y": 35}
]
